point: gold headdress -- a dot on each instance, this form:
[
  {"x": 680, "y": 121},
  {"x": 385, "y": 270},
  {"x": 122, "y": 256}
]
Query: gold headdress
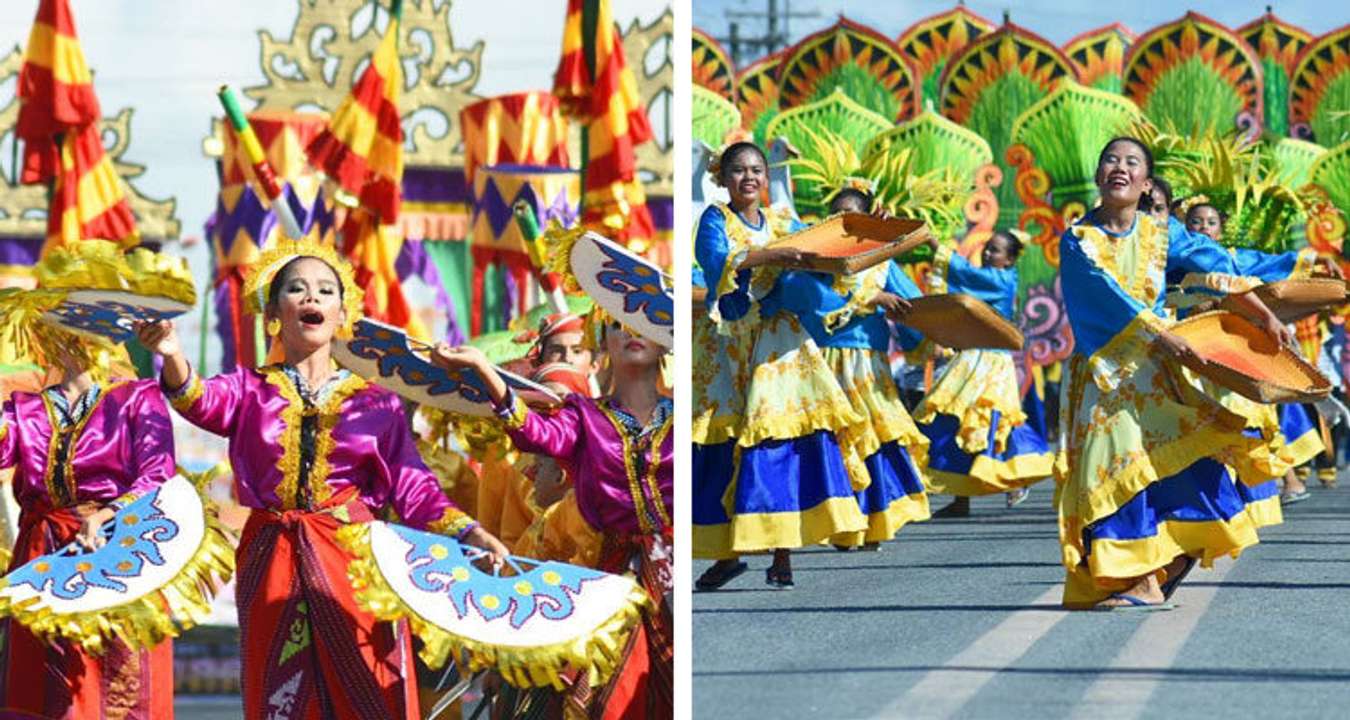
[
  {"x": 27, "y": 336},
  {"x": 258, "y": 280},
  {"x": 1184, "y": 207}
]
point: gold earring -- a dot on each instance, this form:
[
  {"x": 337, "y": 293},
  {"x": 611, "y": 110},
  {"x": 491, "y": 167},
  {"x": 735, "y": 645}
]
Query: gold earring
[{"x": 273, "y": 327}]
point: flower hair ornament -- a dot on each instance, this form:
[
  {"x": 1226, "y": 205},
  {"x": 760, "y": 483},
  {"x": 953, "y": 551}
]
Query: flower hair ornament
[
  {"x": 1184, "y": 207},
  {"x": 258, "y": 280},
  {"x": 866, "y": 186}
]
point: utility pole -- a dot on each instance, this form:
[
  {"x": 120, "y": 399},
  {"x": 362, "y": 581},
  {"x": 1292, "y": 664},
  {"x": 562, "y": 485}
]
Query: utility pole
[{"x": 777, "y": 23}]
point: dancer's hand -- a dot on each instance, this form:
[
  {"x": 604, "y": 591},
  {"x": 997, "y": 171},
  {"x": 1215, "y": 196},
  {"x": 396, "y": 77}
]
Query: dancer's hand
[
  {"x": 1174, "y": 347},
  {"x": 895, "y": 307},
  {"x": 461, "y": 357},
  {"x": 158, "y": 337},
  {"x": 1327, "y": 267},
  {"x": 497, "y": 552},
  {"x": 777, "y": 256},
  {"x": 90, "y": 535},
  {"x": 1279, "y": 331}
]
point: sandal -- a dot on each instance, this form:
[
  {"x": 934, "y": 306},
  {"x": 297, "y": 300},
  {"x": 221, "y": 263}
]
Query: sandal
[
  {"x": 1018, "y": 496},
  {"x": 713, "y": 579},
  {"x": 1170, "y": 586},
  {"x": 1297, "y": 496},
  {"x": 778, "y": 579},
  {"x": 1133, "y": 604}
]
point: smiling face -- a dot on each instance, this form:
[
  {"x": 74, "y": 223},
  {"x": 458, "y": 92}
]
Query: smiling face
[
  {"x": 1123, "y": 174},
  {"x": 744, "y": 175},
  {"x": 308, "y": 302},
  {"x": 570, "y": 348},
  {"x": 1204, "y": 219},
  {"x": 629, "y": 349},
  {"x": 998, "y": 253}
]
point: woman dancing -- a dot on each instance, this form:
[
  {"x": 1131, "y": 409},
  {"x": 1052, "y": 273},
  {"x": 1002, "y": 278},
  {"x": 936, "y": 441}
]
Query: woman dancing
[
  {"x": 86, "y": 446},
  {"x": 1148, "y": 486},
  {"x": 618, "y": 451},
  {"x": 313, "y": 448},
  {"x": 980, "y": 440},
  {"x": 767, "y": 407}
]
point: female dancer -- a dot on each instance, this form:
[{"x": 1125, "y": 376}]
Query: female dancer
[
  {"x": 82, "y": 448},
  {"x": 981, "y": 442},
  {"x": 1145, "y": 490},
  {"x": 618, "y": 451},
  {"x": 849, "y": 324},
  {"x": 312, "y": 447},
  {"x": 767, "y": 408}
]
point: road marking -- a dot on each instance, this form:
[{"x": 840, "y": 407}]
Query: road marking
[
  {"x": 1154, "y": 646},
  {"x": 942, "y": 692}
]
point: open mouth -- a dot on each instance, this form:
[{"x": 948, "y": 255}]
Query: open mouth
[
  {"x": 1118, "y": 181},
  {"x": 750, "y": 187},
  {"x": 311, "y": 319}
]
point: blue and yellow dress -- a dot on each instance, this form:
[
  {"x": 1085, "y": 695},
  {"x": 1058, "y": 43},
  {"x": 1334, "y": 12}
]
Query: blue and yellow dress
[
  {"x": 886, "y": 452},
  {"x": 1291, "y": 435},
  {"x": 1152, "y": 462},
  {"x": 980, "y": 442},
  {"x": 767, "y": 465}
]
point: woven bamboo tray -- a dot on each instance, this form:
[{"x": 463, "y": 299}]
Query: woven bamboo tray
[
  {"x": 1293, "y": 300},
  {"x": 1243, "y": 358},
  {"x": 849, "y": 243},
  {"x": 962, "y": 322}
]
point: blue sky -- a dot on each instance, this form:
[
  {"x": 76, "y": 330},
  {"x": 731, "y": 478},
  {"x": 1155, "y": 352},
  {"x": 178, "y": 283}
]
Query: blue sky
[{"x": 1055, "y": 20}]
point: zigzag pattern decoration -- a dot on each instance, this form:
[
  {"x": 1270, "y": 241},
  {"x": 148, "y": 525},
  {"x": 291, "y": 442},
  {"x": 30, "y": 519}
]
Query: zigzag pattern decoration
[
  {"x": 929, "y": 44},
  {"x": 554, "y": 193},
  {"x": 1295, "y": 159},
  {"x": 712, "y": 66},
  {"x": 1195, "y": 75},
  {"x": 1099, "y": 56},
  {"x": 854, "y": 58},
  {"x": 757, "y": 95},
  {"x": 1277, "y": 44},
  {"x": 525, "y": 128},
  {"x": 1319, "y": 106}
]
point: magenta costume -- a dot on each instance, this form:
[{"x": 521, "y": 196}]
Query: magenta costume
[
  {"x": 310, "y": 463},
  {"x": 110, "y": 446},
  {"x": 609, "y": 459}
]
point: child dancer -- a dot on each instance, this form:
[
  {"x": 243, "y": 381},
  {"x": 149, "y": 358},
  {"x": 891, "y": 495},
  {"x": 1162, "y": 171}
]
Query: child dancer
[{"x": 981, "y": 443}]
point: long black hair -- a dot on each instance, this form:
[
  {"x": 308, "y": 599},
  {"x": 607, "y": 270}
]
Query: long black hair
[{"x": 734, "y": 150}]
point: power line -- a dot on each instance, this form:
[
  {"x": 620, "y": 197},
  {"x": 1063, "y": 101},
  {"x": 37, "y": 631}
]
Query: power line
[{"x": 777, "y": 31}]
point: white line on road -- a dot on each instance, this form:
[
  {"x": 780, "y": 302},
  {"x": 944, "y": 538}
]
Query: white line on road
[
  {"x": 1154, "y": 645},
  {"x": 942, "y": 692}
]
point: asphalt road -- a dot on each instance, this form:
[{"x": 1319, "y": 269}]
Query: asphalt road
[{"x": 961, "y": 618}]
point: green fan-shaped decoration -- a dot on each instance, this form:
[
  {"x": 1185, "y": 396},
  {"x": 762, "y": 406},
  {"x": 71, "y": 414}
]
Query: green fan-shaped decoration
[
  {"x": 502, "y": 346},
  {"x": 1277, "y": 45},
  {"x": 935, "y": 142},
  {"x": 1331, "y": 172},
  {"x": 576, "y": 304},
  {"x": 839, "y": 115},
  {"x": 1099, "y": 56},
  {"x": 935, "y": 195},
  {"x": 757, "y": 96},
  {"x": 1066, "y": 130},
  {"x": 994, "y": 80},
  {"x": 852, "y": 58},
  {"x": 712, "y": 67},
  {"x": 713, "y": 116},
  {"x": 1193, "y": 76},
  {"x": 930, "y": 43},
  {"x": 1319, "y": 109},
  {"x": 1294, "y": 160}
]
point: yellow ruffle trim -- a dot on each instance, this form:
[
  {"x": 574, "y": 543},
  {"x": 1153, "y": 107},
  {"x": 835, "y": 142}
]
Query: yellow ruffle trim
[
  {"x": 101, "y": 265},
  {"x": 1116, "y": 564},
  {"x": 146, "y": 621},
  {"x": 883, "y": 525},
  {"x": 754, "y": 532},
  {"x": 989, "y": 476},
  {"x": 883, "y": 417},
  {"x": 598, "y": 654},
  {"x": 974, "y": 386}
]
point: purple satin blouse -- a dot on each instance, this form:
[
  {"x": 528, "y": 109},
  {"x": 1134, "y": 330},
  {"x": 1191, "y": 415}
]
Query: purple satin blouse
[
  {"x": 122, "y": 447},
  {"x": 360, "y": 439},
  {"x": 622, "y": 485}
]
